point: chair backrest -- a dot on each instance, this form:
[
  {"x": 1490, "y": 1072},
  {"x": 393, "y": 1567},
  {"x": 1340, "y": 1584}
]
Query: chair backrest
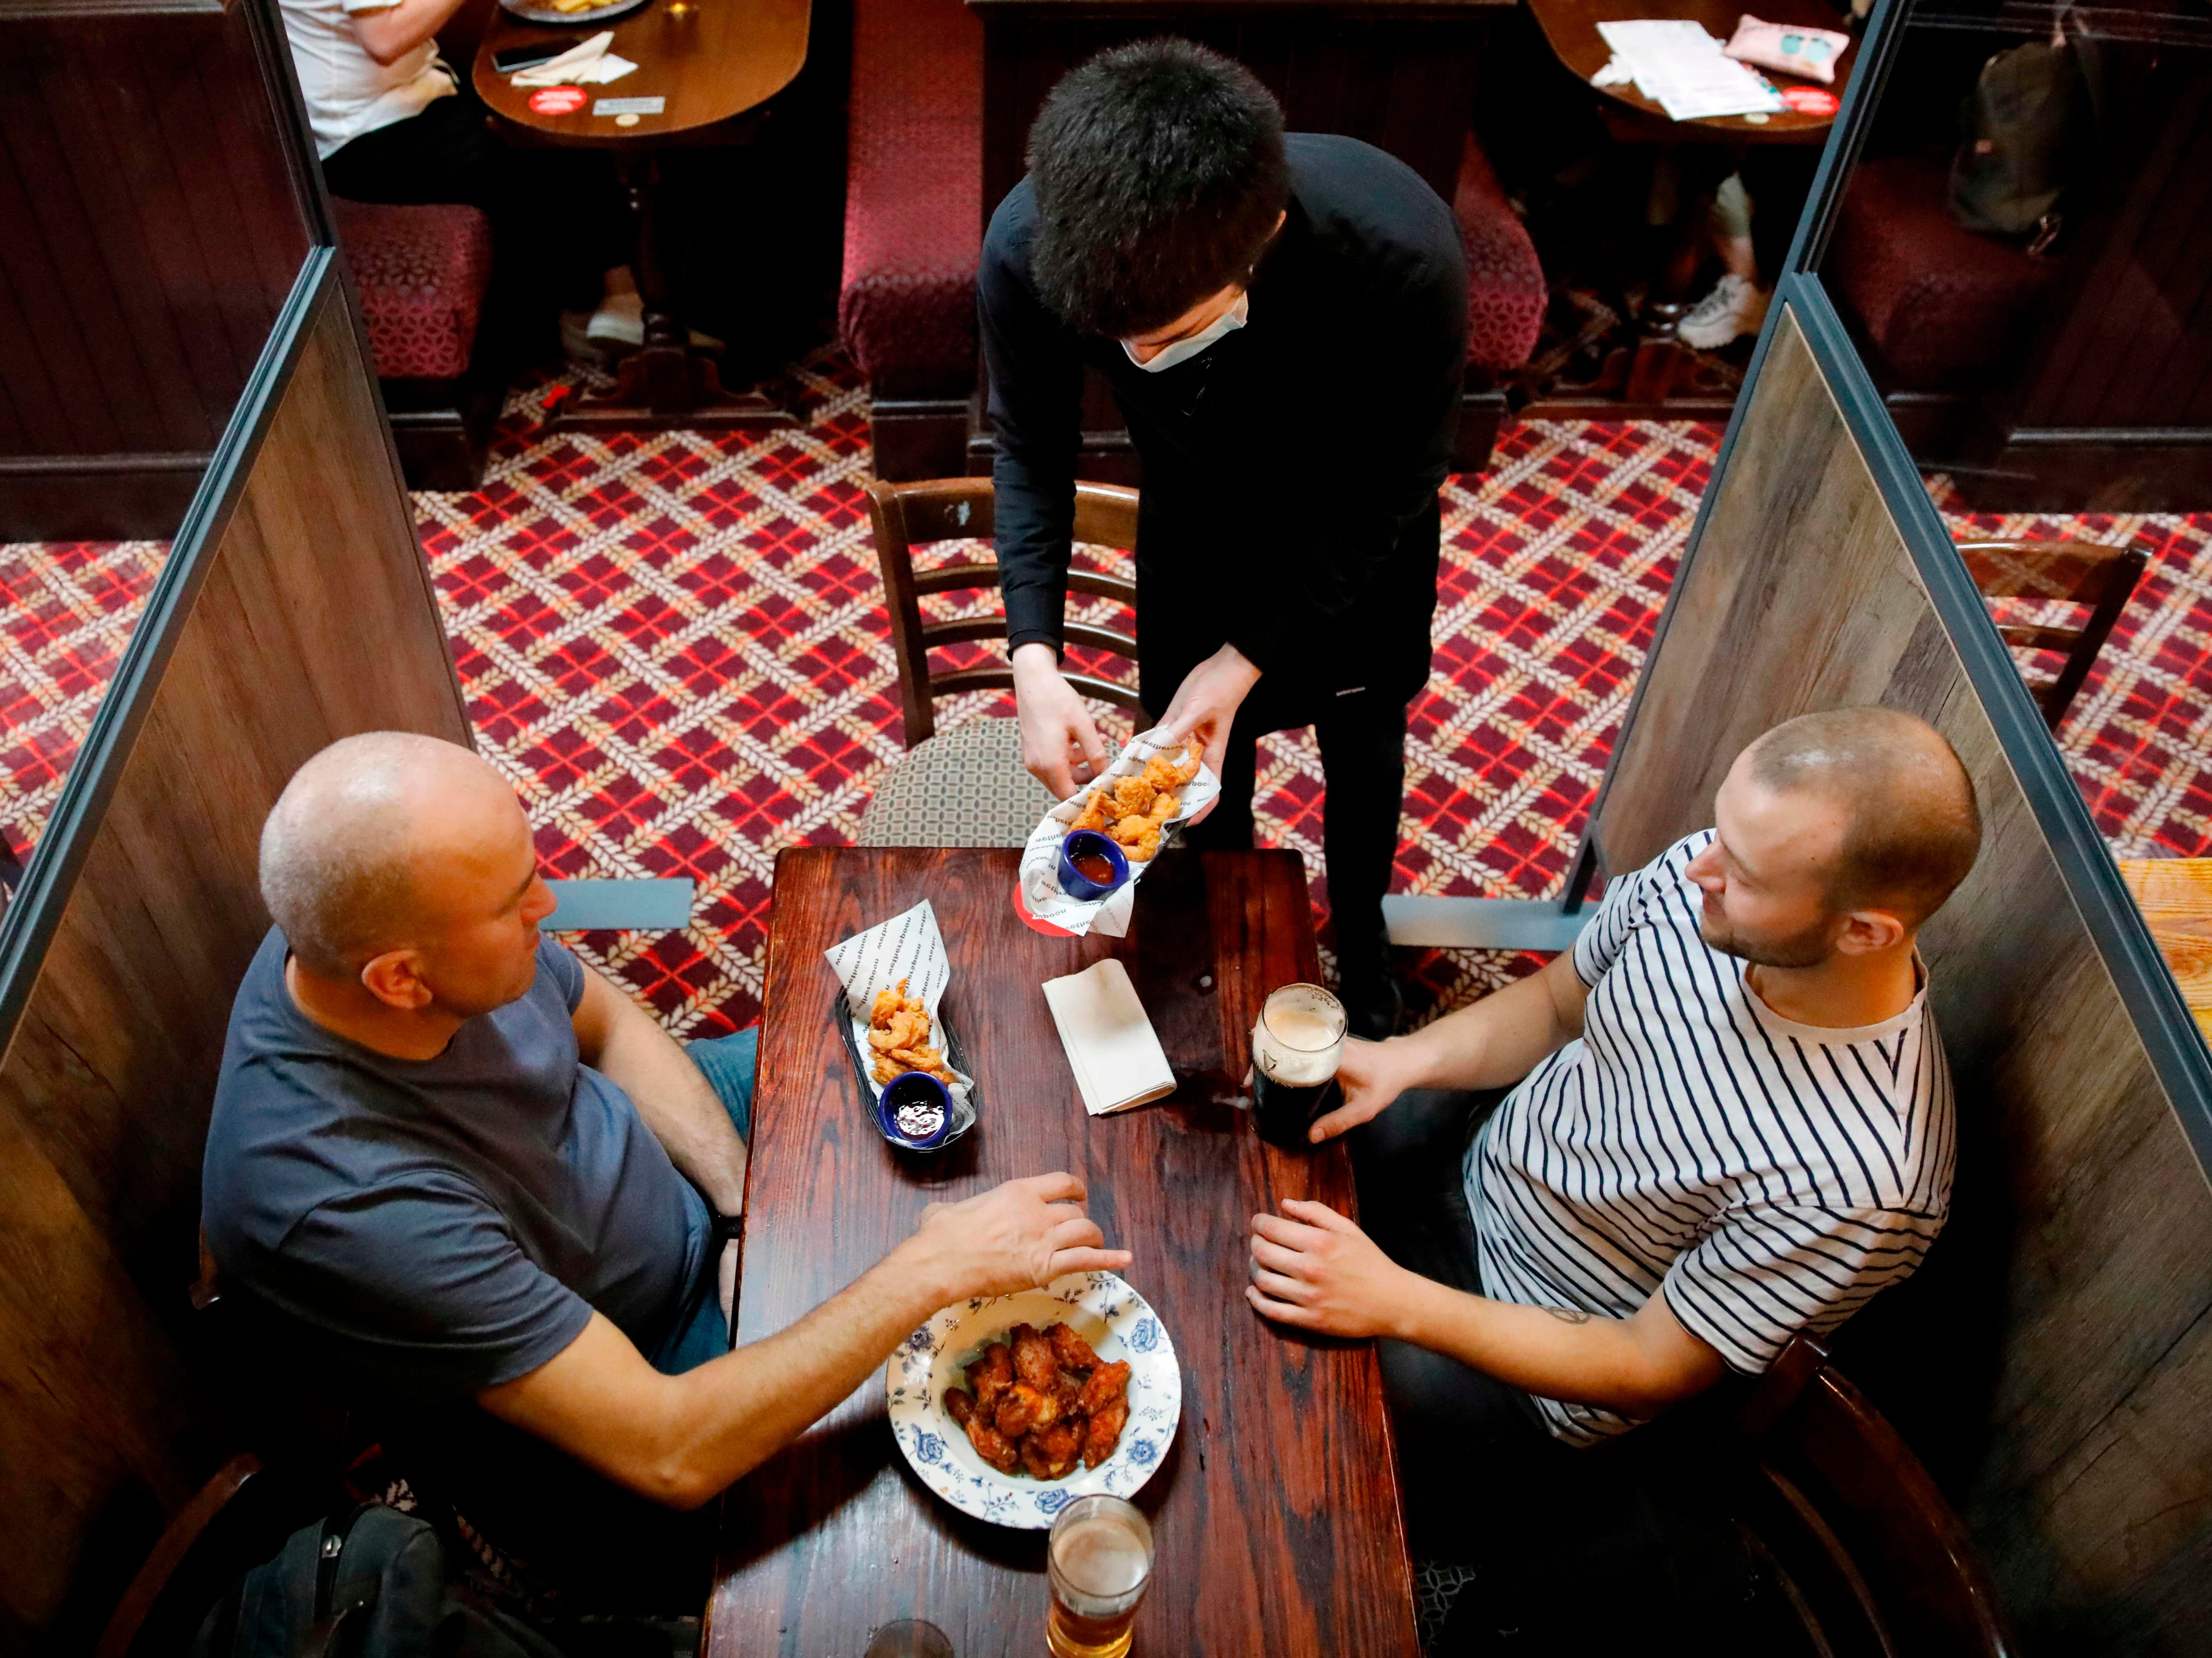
[
  {"x": 953, "y": 509},
  {"x": 1875, "y": 1554},
  {"x": 2080, "y": 573}
]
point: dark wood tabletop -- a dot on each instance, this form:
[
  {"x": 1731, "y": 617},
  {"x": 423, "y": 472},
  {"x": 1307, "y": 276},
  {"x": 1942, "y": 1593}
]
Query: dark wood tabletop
[
  {"x": 1276, "y": 1509},
  {"x": 1570, "y": 27},
  {"x": 710, "y": 61}
]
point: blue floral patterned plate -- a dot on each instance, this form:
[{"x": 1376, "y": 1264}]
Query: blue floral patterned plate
[{"x": 1109, "y": 1315}]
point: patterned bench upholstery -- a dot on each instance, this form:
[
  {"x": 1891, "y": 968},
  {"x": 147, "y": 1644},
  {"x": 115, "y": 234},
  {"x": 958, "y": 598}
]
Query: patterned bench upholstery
[
  {"x": 1940, "y": 305},
  {"x": 421, "y": 272},
  {"x": 914, "y": 212}
]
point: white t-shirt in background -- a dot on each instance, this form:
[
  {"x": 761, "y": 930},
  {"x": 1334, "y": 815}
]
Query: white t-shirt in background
[
  {"x": 1765, "y": 1176},
  {"x": 347, "y": 92}
]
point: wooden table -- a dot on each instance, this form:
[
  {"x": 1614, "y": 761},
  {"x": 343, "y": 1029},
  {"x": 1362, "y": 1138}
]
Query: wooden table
[
  {"x": 2175, "y": 896},
  {"x": 1276, "y": 1510},
  {"x": 1571, "y": 30},
  {"x": 712, "y": 63}
]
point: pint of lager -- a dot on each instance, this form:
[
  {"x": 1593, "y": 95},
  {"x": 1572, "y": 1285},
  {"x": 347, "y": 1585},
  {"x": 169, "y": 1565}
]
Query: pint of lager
[
  {"x": 1295, "y": 1047},
  {"x": 1099, "y": 1562}
]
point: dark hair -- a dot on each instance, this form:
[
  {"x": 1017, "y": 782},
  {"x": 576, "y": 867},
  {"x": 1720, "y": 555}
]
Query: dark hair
[
  {"x": 1912, "y": 826},
  {"x": 1158, "y": 172}
]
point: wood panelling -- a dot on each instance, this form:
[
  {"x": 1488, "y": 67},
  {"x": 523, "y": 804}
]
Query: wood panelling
[
  {"x": 308, "y": 617},
  {"x": 2055, "y": 1359},
  {"x": 152, "y": 227}
]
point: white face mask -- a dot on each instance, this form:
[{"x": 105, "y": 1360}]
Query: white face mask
[{"x": 1183, "y": 350}]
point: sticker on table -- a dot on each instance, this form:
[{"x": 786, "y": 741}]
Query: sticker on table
[
  {"x": 1812, "y": 101},
  {"x": 629, "y": 106},
  {"x": 557, "y": 100}
]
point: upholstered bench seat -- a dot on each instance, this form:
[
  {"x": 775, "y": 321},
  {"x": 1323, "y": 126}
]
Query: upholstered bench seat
[
  {"x": 422, "y": 273},
  {"x": 1940, "y": 305},
  {"x": 913, "y": 234}
]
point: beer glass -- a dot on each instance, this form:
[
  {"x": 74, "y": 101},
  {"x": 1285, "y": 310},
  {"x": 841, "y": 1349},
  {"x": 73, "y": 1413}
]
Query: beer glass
[
  {"x": 1100, "y": 1562},
  {"x": 1295, "y": 1047}
]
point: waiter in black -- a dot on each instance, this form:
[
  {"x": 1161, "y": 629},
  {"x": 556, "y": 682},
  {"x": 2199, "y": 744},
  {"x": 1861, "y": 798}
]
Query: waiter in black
[{"x": 1283, "y": 319}]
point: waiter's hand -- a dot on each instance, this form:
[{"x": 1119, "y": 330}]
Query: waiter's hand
[
  {"x": 1060, "y": 746},
  {"x": 1206, "y": 701}
]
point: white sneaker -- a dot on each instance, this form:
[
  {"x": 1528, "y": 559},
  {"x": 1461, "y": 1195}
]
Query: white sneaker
[
  {"x": 1733, "y": 307},
  {"x": 620, "y": 322}
]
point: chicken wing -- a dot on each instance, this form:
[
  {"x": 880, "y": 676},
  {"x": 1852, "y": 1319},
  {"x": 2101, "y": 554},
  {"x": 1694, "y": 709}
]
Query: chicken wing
[
  {"x": 1072, "y": 1352},
  {"x": 1108, "y": 1383},
  {"x": 1022, "y": 1408},
  {"x": 1102, "y": 1432},
  {"x": 991, "y": 1445},
  {"x": 1033, "y": 1359},
  {"x": 959, "y": 1404},
  {"x": 1050, "y": 1453},
  {"x": 990, "y": 1376}
]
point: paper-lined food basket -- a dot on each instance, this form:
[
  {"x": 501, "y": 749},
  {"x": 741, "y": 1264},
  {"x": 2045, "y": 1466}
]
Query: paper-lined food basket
[
  {"x": 907, "y": 950},
  {"x": 1038, "y": 891}
]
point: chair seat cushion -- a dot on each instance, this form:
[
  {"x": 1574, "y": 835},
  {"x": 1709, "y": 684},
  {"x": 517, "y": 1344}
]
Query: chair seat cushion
[
  {"x": 914, "y": 197},
  {"x": 421, "y": 272},
  {"x": 1941, "y": 307},
  {"x": 963, "y": 788},
  {"x": 1505, "y": 291}
]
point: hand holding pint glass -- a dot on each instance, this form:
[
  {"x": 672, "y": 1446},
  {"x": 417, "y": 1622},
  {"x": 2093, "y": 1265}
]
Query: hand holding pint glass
[
  {"x": 1296, "y": 1046},
  {"x": 1100, "y": 1563}
]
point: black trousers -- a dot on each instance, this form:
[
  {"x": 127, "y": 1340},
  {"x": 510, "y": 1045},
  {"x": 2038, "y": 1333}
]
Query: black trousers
[
  {"x": 559, "y": 220},
  {"x": 1467, "y": 1444},
  {"x": 1363, "y": 757}
]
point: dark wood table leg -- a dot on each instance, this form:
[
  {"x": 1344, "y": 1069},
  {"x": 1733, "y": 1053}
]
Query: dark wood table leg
[{"x": 666, "y": 385}]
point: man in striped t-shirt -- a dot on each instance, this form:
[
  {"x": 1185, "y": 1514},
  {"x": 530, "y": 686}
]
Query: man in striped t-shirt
[{"x": 1733, "y": 1120}]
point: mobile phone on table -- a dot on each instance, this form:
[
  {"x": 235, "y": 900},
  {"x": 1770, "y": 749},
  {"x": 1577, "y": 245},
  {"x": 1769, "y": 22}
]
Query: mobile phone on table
[{"x": 507, "y": 59}]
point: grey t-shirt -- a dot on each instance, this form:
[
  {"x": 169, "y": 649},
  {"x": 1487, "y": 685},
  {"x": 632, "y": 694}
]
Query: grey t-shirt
[{"x": 445, "y": 1224}]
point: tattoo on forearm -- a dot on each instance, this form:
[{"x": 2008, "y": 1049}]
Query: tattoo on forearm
[{"x": 1568, "y": 1315}]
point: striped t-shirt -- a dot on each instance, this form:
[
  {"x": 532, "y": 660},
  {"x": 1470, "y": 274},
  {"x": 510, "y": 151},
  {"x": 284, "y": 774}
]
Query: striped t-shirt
[{"x": 1768, "y": 1177}]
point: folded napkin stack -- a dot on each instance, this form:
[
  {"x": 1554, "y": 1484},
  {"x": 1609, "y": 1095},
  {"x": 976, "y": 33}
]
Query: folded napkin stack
[
  {"x": 1117, "y": 1060},
  {"x": 587, "y": 64}
]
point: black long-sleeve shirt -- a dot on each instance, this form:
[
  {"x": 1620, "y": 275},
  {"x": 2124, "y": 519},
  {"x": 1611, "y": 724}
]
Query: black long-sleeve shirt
[{"x": 1292, "y": 469}]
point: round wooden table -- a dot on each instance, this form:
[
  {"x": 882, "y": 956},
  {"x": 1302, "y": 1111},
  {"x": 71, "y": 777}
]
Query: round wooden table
[
  {"x": 1571, "y": 30},
  {"x": 710, "y": 65}
]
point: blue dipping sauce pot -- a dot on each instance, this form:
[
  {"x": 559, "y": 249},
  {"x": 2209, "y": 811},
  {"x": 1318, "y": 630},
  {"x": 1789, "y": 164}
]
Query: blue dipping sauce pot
[
  {"x": 914, "y": 1089},
  {"x": 1083, "y": 842}
]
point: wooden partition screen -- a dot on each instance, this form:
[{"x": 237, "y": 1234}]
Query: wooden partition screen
[
  {"x": 2053, "y": 1364},
  {"x": 298, "y": 609}
]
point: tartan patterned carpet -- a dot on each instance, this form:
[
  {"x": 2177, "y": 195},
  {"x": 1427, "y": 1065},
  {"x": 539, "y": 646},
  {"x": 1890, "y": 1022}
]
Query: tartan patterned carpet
[
  {"x": 674, "y": 645},
  {"x": 69, "y": 608}
]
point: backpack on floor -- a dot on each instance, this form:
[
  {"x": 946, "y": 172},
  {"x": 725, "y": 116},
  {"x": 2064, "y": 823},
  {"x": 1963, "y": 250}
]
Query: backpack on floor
[{"x": 367, "y": 1584}]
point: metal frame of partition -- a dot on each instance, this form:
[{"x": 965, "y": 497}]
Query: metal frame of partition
[{"x": 2147, "y": 986}]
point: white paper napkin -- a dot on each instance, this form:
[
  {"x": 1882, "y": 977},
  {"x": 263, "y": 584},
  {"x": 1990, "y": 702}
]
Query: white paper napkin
[
  {"x": 1117, "y": 1060},
  {"x": 587, "y": 64},
  {"x": 909, "y": 946}
]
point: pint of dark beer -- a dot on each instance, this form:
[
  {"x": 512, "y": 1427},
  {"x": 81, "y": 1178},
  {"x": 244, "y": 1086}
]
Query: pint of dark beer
[{"x": 1295, "y": 1047}]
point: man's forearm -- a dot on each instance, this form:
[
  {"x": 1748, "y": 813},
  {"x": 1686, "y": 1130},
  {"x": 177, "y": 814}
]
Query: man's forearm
[
  {"x": 730, "y": 1414},
  {"x": 1496, "y": 1041},
  {"x": 390, "y": 32},
  {"x": 1573, "y": 1356}
]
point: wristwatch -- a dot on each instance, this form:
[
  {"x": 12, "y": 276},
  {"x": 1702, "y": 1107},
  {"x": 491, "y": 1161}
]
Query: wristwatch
[{"x": 726, "y": 1229}]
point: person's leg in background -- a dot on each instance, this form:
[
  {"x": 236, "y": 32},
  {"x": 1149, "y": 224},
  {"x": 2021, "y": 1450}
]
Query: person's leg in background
[
  {"x": 701, "y": 1332},
  {"x": 1737, "y": 303},
  {"x": 560, "y": 229},
  {"x": 1363, "y": 758}
]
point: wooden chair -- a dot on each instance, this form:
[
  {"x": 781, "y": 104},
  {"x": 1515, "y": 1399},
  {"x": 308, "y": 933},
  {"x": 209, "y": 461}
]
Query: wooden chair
[
  {"x": 1845, "y": 1516},
  {"x": 966, "y": 786},
  {"x": 2097, "y": 578}
]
